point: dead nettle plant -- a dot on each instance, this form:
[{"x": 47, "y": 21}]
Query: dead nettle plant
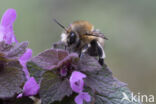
[
  {"x": 54, "y": 76},
  {"x": 14, "y": 76}
]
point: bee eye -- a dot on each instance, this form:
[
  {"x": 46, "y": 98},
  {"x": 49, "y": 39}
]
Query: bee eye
[{"x": 71, "y": 38}]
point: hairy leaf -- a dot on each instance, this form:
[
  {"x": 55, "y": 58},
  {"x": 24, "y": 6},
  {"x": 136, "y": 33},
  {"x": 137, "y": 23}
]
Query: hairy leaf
[
  {"x": 11, "y": 79},
  {"x": 17, "y": 50},
  {"x": 35, "y": 71},
  {"x": 49, "y": 58},
  {"x": 5, "y": 47},
  {"x": 88, "y": 63},
  {"x": 53, "y": 88},
  {"x": 23, "y": 100},
  {"x": 66, "y": 100},
  {"x": 14, "y": 100},
  {"x": 116, "y": 97},
  {"x": 106, "y": 88},
  {"x": 13, "y": 51},
  {"x": 54, "y": 58}
]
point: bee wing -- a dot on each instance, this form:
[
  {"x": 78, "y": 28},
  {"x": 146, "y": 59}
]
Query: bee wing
[{"x": 97, "y": 33}]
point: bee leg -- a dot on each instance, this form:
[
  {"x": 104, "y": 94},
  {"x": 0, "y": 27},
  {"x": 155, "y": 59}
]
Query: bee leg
[
  {"x": 84, "y": 50},
  {"x": 65, "y": 47},
  {"x": 101, "y": 53}
]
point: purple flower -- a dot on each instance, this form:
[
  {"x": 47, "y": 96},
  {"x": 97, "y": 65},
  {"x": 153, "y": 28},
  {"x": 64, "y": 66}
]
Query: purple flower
[
  {"x": 82, "y": 96},
  {"x": 77, "y": 84},
  {"x": 23, "y": 60},
  {"x": 7, "y": 35},
  {"x": 63, "y": 72},
  {"x": 67, "y": 65},
  {"x": 6, "y": 26},
  {"x": 30, "y": 88},
  {"x": 76, "y": 81}
]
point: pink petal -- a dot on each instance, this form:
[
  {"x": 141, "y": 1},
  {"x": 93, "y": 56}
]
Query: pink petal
[
  {"x": 1, "y": 33},
  {"x": 63, "y": 72},
  {"x": 26, "y": 56},
  {"x": 23, "y": 60},
  {"x": 86, "y": 96},
  {"x": 20, "y": 95},
  {"x": 76, "y": 76},
  {"x": 8, "y": 17},
  {"x": 82, "y": 96},
  {"x": 31, "y": 87},
  {"x": 76, "y": 81},
  {"x": 11, "y": 31},
  {"x": 77, "y": 86},
  {"x": 6, "y": 26},
  {"x": 9, "y": 36},
  {"x": 78, "y": 99}
]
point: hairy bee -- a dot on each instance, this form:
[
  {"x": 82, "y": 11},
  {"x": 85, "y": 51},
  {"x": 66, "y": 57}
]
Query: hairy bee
[{"x": 81, "y": 37}]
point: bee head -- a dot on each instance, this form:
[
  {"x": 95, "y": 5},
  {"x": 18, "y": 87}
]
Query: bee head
[{"x": 72, "y": 38}]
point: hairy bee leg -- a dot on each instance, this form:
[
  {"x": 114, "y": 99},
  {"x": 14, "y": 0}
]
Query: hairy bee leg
[
  {"x": 101, "y": 53},
  {"x": 84, "y": 50},
  {"x": 65, "y": 47}
]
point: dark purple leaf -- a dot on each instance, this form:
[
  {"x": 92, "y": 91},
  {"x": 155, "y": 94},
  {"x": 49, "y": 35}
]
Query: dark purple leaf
[
  {"x": 5, "y": 47},
  {"x": 17, "y": 50},
  {"x": 13, "y": 51},
  {"x": 53, "y": 88},
  {"x": 12, "y": 76},
  {"x": 49, "y": 58},
  {"x": 106, "y": 88},
  {"x": 11, "y": 79},
  {"x": 14, "y": 100},
  {"x": 35, "y": 71},
  {"x": 54, "y": 58},
  {"x": 88, "y": 63}
]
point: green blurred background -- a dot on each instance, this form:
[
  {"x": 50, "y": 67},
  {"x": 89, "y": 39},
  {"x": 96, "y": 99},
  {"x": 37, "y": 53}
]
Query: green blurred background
[{"x": 130, "y": 26}]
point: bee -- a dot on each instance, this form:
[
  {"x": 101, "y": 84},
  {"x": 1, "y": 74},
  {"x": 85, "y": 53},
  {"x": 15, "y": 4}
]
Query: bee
[{"x": 81, "y": 37}]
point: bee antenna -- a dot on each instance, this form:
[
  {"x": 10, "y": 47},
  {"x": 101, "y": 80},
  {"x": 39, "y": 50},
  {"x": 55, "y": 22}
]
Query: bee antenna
[
  {"x": 59, "y": 24},
  {"x": 106, "y": 38}
]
